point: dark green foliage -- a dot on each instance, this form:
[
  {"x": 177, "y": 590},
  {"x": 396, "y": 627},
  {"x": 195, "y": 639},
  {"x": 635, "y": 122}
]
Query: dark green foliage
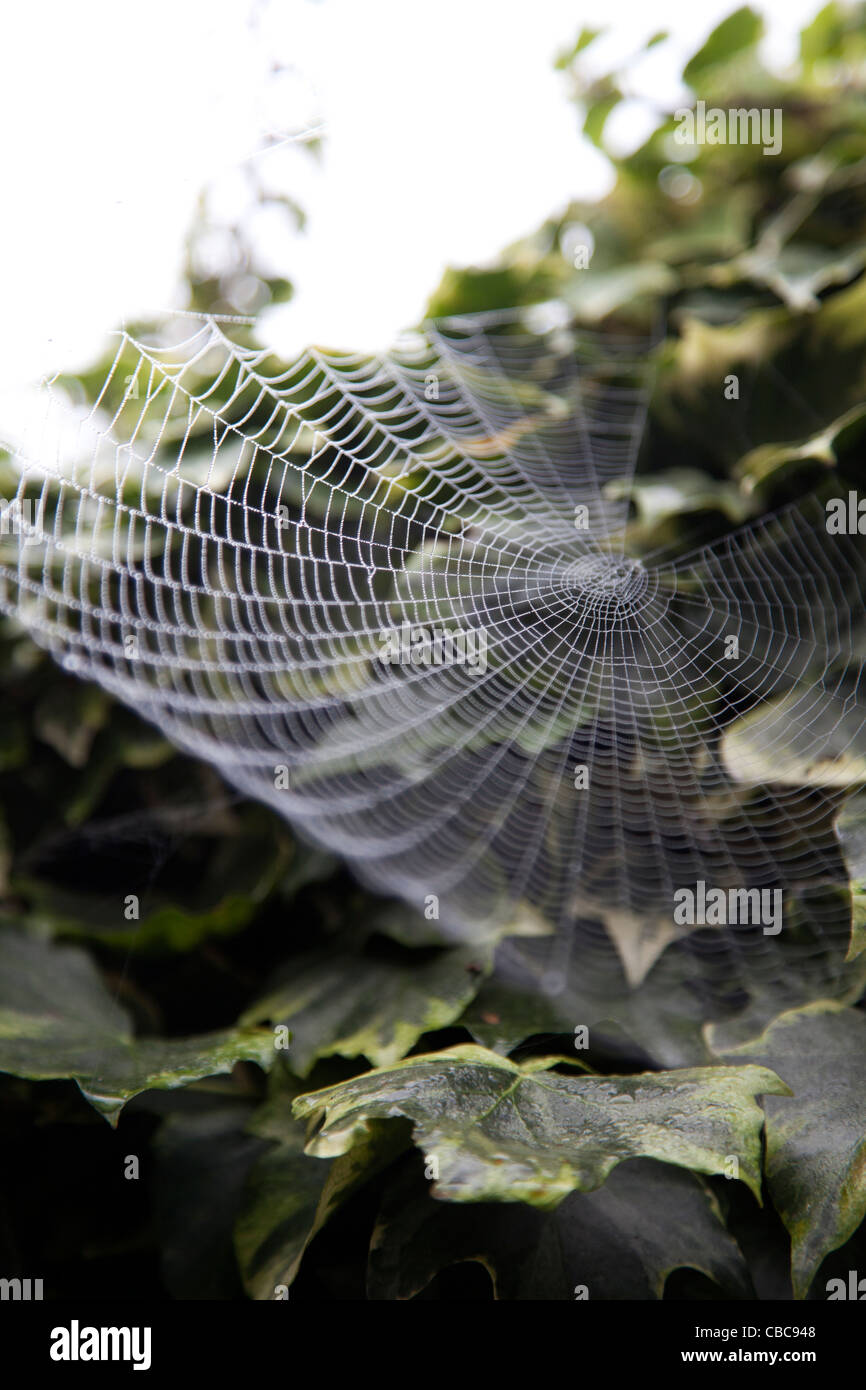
[{"x": 754, "y": 264}]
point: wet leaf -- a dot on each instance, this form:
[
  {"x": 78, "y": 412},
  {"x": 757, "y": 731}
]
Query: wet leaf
[
  {"x": 375, "y": 1002},
  {"x": 505, "y": 1132},
  {"x": 290, "y": 1196},
  {"x": 58, "y": 1020},
  {"x": 816, "y": 1136}
]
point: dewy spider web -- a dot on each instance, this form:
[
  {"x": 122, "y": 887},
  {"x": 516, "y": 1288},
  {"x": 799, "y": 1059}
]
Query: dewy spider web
[{"x": 393, "y": 597}]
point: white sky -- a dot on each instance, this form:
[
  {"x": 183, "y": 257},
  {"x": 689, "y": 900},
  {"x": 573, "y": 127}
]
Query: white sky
[{"x": 447, "y": 134}]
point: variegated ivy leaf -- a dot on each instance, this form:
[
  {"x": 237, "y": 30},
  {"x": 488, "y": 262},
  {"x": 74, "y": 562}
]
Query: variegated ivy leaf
[
  {"x": 816, "y": 1136},
  {"x": 372, "y": 1002},
  {"x": 495, "y": 1130},
  {"x": 58, "y": 1021}
]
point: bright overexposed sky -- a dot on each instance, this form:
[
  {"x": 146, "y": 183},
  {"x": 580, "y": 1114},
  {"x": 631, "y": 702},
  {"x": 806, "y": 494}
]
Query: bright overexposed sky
[{"x": 447, "y": 134}]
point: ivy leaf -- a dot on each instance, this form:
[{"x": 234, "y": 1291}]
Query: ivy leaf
[
  {"x": 661, "y": 1022},
  {"x": 58, "y": 1021},
  {"x": 231, "y": 866},
  {"x": 290, "y": 1196},
  {"x": 798, "y": 274},
  {"x": 768, "y": 462},
  {"x": 766, "y": 350},
  {"x": 598, "y": 293},
  {"x": 500, "y": 1131},
  {"x": 851, "y": 830},
  {"x": 816, "y": 1140},
  {"x": 658, "y": 1023},
  {"x": 202, "y": 1160},
  {"x": 620, "y": 1242},
  {"x": 679, "y": 491},
  {"x": 797, "y": 742},
  {"x": 640, "y": 941},
  {"x": 373, "y": 1002}
]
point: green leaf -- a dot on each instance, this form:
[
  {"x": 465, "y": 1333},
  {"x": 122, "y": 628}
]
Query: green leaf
[
  {"x": 773, "y": 353},
  {"x": 373, "y": 1002},
  {"x": 619, "y": 1242},
  {"x": 660, "y": 1022},
  {"x": 222, "y": 869},
  {"x": 798, "y": 274},
  {"x": 770, "y": 462},
  {"x": 659, "y": 496},
  {"x": 500, "y": 1131},
  {"x": 202, "y": 1160},
  {"x": 583, "y": 40},
  {"x": 731, "y": 39},
  {"x": 290, "y": 1196},
  {"x": 593, "y": 294},
  {"x": 58, "y": 1021},
  {"x": 475, "y": 289},
  {"x": 69, "y": 717},
  {"x": 597, "y": 114},
  {"x": 822, "y": 38},
  {"x": 851, "y": 830},
  {"x": 798, "y": 740},
  {"x": 816, "y": 1138}
]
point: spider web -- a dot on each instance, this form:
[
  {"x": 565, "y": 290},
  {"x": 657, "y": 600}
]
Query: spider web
[{"x": 396, "y": 598}]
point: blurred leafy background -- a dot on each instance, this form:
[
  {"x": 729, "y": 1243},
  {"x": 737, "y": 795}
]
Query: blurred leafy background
[{"x": 754, "y": 265}]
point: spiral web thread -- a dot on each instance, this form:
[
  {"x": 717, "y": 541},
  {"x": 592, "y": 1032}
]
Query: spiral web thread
[{"x": 230, "y": 543}]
